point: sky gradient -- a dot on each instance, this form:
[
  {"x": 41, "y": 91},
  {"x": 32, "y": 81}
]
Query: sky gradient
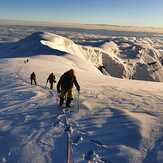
[{"x": 116, "y": 12}]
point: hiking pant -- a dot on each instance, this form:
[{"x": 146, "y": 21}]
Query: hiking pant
[
  {"x": 33, "y": 80},
  {"x": 51, "y": 85},
  {"x": 68, "y": 95}
]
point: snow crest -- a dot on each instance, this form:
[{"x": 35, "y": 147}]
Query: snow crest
[
  {"x": 143, "y": 59},
  {"x": 43, "y": 43}
]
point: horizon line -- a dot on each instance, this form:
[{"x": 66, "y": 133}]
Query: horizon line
[{"x": 104, "y": 26}]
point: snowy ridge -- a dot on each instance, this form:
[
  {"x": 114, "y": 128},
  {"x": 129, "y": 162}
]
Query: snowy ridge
[
  {"x": 149, "y": 66},
  {"x": 96, "y": 56},
  {"x": 110, "y": 47},
  {"x": 42, "y": 43},
  {"x": 144, "y": 59}
]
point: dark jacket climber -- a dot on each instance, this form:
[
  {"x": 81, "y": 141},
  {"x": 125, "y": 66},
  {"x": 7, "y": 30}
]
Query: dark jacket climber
[
  {"x": 51, "y": 80},
  {"x": 65, "y": 85},
  {"x": 33, "y": 78}
]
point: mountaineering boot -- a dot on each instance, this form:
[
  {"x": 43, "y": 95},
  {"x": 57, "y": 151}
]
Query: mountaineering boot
[
  {"x": 68, "y": 102},
  {"x": 61, "y": 101}
]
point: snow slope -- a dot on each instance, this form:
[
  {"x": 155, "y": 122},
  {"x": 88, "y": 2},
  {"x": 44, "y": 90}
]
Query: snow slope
[
  {"x": 119, "y": 120},
  {"x": 50, "y": 44}
]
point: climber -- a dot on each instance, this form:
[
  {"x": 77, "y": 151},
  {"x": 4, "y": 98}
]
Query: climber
[
  {"x": 65, "y": 85},
  {"x": 33, "y": 78},
  {"x": 51, "y": 80}
]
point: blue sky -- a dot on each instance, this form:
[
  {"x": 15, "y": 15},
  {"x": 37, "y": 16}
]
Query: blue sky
[{"x": 118, "y": 12}]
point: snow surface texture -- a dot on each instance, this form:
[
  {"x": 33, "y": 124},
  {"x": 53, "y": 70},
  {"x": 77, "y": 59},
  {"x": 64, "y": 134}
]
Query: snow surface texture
[{"x": 118, "y": 121}]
